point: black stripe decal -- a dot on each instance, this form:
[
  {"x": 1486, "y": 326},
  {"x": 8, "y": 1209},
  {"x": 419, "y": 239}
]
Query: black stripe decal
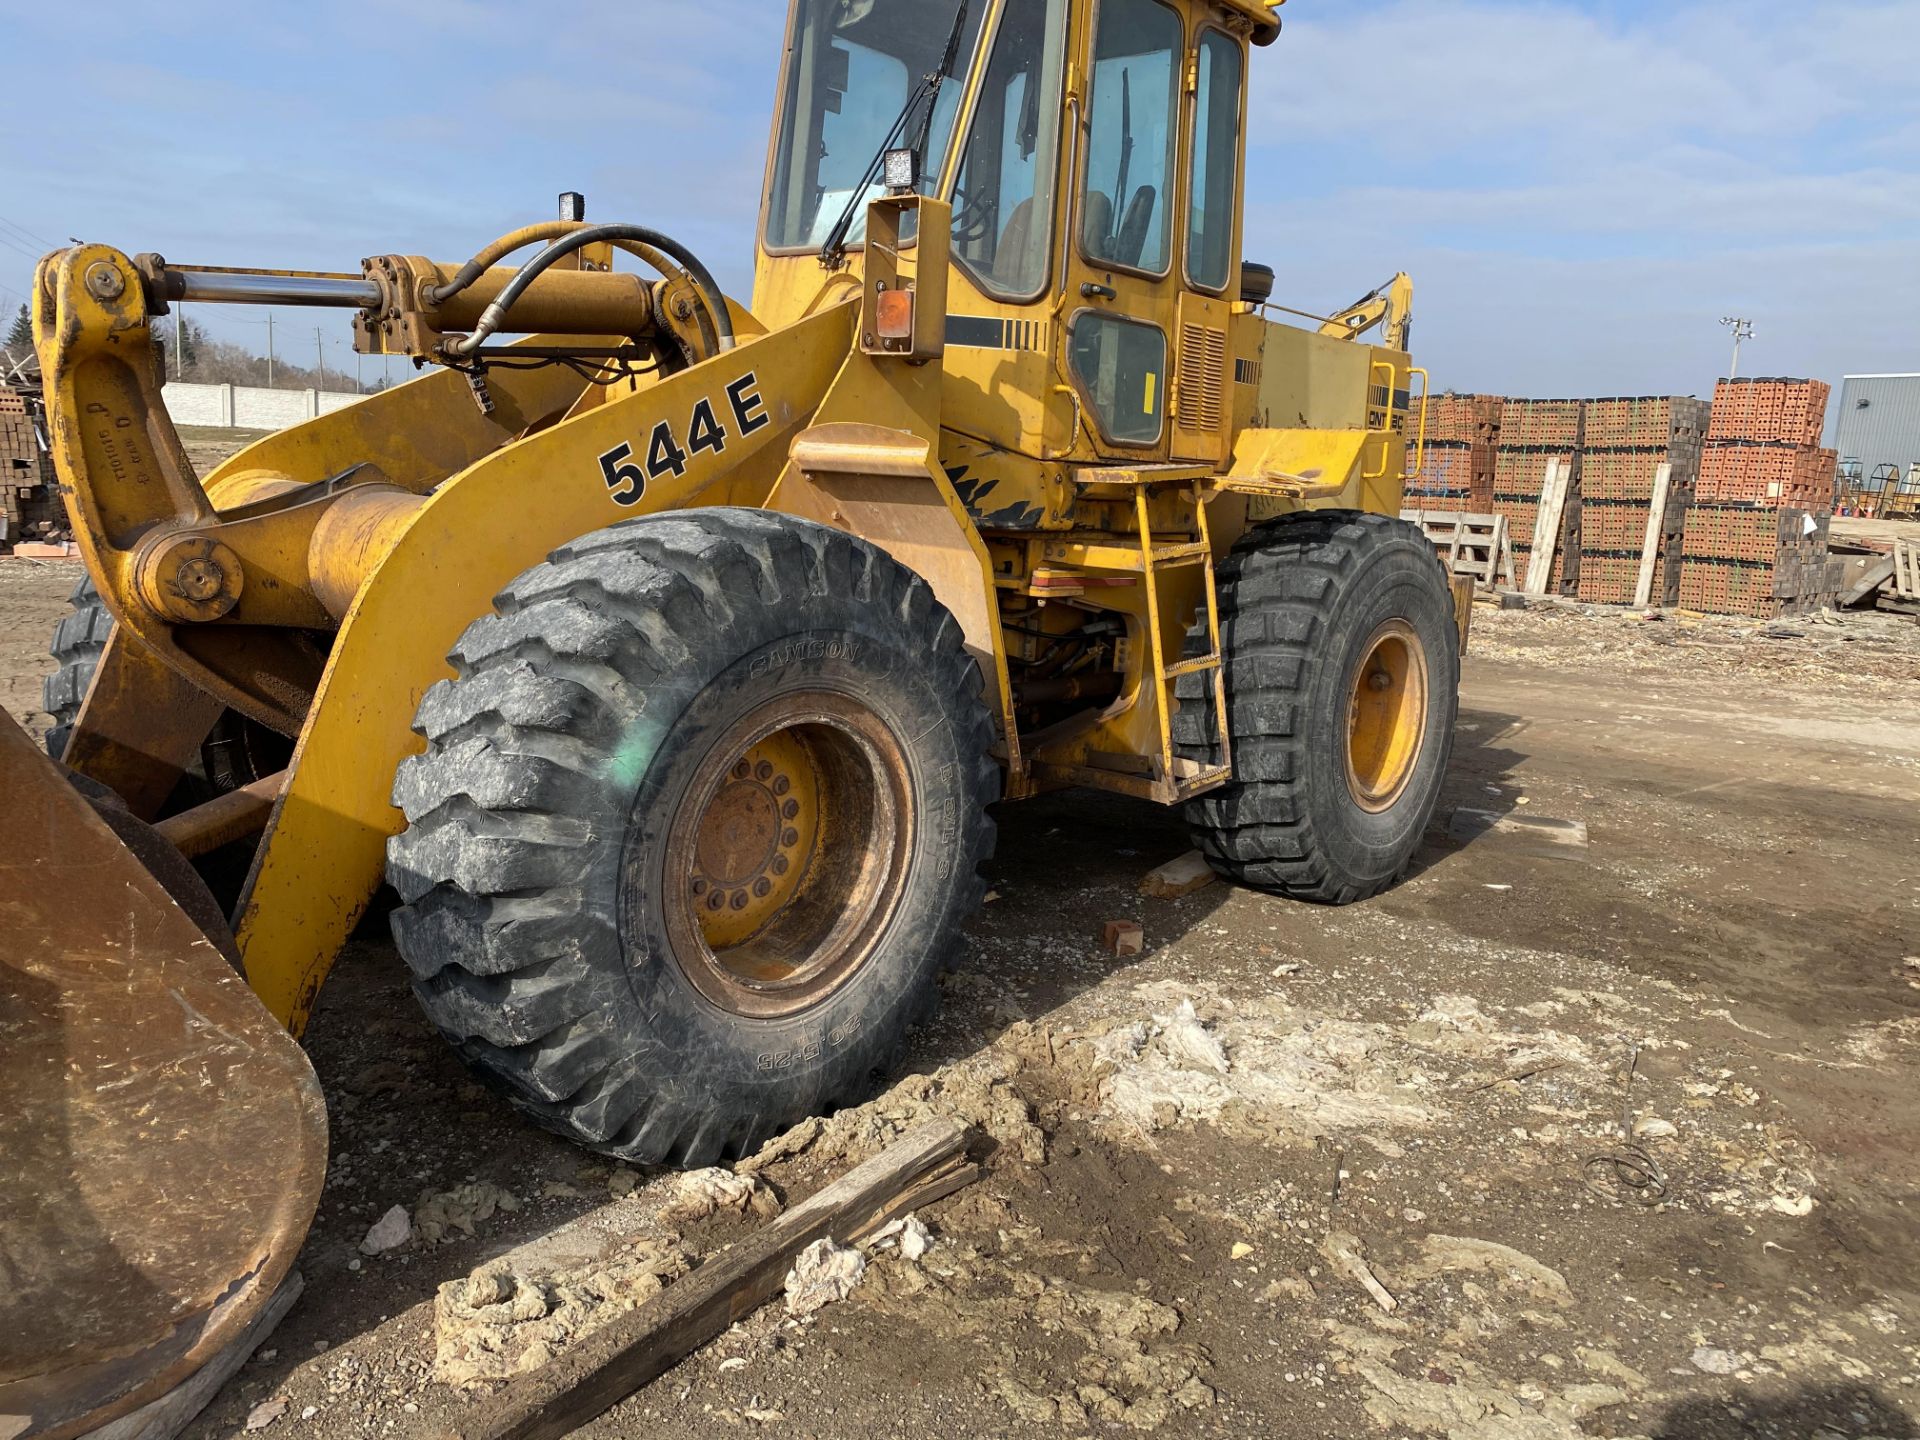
[
  {"x": 985, "y": 332},
  {"x": 979, "y": 332}
]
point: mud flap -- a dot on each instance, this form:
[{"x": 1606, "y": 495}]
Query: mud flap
[{"x": 165, "y": 1139}]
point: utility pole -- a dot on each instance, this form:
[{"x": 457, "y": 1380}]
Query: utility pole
[
  {"x": 179, "y": 340},
  {"x": 270, "y": 350},
  {"x": 320, "y": 352},
  {"x": 1742, "y": 331}
]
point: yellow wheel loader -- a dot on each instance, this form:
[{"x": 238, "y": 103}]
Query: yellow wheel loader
[{"x": 665, "y": 653}]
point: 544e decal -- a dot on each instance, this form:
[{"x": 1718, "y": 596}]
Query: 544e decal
[{"x": 668, "y": 453}]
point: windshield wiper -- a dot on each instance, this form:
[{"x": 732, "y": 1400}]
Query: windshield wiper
[{"x": 835, "y": 249}]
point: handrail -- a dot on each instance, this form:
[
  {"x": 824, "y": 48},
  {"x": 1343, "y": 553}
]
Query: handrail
[
  {"x": 1386, "y": 428},
  {"x": 1426, "y": 393}
]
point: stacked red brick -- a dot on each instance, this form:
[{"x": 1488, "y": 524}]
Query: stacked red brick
[
  {"x": 1533, "y": 433},
  {"x": 1764, "y": 447},
  {"x": 1756, "y": 541},
  {"x": 1758, "y": 561},
  {"x": 1457, "y": 471},
  {"x": 28, "y": 499},
  {"x": 1626, "y": 440}
]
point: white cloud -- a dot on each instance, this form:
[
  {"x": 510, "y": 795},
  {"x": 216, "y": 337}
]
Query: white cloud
[{"x": 1581, "y": 197}]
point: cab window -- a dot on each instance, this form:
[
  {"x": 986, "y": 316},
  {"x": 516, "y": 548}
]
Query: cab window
[
  {"x": 1211, "y": 208},
  {"x": 1003, "y": 200},
  {"x": 1126, "y": 205},
  {"x": 852, "y": 66},
  {"x": 1122, "y": 367}
]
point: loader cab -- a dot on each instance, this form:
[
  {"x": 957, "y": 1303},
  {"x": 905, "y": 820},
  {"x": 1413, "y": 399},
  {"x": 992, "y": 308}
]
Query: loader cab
[{"x": 1091, "y": 151}]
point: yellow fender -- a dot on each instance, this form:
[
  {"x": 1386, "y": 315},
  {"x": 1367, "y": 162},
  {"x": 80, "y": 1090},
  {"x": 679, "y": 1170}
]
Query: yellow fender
[{"x": 324, "y": 853}]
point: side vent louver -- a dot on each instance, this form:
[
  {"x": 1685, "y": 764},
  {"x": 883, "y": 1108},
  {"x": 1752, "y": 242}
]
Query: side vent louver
[{"x": 1203, "y": 371}]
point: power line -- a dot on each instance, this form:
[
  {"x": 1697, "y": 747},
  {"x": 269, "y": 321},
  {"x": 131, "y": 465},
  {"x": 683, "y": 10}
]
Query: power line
[{"x": 27, "y": 234}]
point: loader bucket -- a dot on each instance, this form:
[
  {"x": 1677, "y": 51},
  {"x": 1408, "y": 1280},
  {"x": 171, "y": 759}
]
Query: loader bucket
[{"x": 162, "y": 1139}]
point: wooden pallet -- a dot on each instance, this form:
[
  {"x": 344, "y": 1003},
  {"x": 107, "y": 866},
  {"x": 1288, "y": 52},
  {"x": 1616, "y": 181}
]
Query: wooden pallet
[
  {"x": 1475, "y": 547},
  {"x": 1905, "y": 584}
]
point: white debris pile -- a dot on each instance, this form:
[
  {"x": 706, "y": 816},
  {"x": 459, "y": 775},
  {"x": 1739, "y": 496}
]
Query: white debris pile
[
  {"x": 516, "y": 1313},
  {"x": 824, "y": 1274},
  {"x": 441, "y": 1215},
  {"x": 697, "y": 1194},
  {"x": 389, "y": 1232},
  {"x": 1110, "y": 1357},
  {"x": 978, "y": 1091}
]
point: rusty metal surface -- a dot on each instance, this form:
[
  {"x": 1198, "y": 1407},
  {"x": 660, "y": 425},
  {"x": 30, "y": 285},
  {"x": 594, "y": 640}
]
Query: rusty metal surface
[{"x": 164, "y": 1139}]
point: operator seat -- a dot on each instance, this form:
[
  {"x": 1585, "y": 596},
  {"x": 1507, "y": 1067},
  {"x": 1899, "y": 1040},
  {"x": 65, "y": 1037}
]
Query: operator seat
[
  {"x": 1096, "y": 224},
  {"x": 1132, "y": 238}
]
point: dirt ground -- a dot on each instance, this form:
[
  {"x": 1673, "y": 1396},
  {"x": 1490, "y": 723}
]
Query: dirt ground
[{"x": 1293, "y": 1172}]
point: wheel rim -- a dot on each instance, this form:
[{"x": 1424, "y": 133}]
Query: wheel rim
[
  {"x": 787, "y": 858},
  {"x": 1386, "y": 716}
]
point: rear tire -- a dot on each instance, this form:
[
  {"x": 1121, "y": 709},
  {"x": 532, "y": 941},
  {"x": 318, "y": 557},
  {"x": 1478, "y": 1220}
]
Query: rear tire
[
  {"x": 697, "y": 827},
  {"x": 237, "y": 752},
  {"x": 1336, "y": 769},
  {"x": 77, "y": 645}
]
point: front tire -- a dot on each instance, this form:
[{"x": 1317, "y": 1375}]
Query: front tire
[
  {"x": 1343, "y": 678},
  {"x": 697, "y": 827}
]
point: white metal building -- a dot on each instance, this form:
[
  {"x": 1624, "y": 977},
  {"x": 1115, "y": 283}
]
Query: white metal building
[{"x": 1878, "y": 425}]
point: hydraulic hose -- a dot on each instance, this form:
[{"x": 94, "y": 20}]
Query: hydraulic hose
[
  {"x": 526, "y": 235},
  {"x": 626, "y": 236}
]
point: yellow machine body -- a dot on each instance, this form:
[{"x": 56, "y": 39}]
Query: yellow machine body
[
  {"x": 1029, "y": 367},
  {"x": 316, "y": 582}
]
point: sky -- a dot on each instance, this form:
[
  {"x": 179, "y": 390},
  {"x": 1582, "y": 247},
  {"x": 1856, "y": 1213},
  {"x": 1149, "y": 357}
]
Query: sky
[{"x": 1581, "y": 189}]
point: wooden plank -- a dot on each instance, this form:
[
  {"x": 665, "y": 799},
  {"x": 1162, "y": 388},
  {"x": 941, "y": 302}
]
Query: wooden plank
[
  {"x": 166, "y": 1417},
  {"x": 610, "y": 1364},
  {"x": 1503, "y": 546},
  {"x": 1656, "y": 527},
  {"x": 1873, "y": 575},
  {"x": 1546, "y": 528},
  {"x": 1906, "y": 569}
]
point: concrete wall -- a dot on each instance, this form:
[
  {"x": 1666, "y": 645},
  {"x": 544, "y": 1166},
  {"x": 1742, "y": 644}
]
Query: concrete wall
[{"x": 244, "y": 407}]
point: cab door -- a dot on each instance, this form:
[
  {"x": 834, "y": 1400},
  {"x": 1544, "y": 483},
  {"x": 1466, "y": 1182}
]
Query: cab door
[
  {"x": 1156, "y": 243},
  {"x": 1122, "y": 300},
  {"x": 1216, "y": 71}
]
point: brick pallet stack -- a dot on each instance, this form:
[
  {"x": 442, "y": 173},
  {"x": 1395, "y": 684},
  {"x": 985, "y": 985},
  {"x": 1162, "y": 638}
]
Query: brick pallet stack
[
  {"x": 1756, "y": 540},
  {"x": 1462, "y": 432},
  {"x": 28, "y": 500},
  {"x": 1750, "y": 560},
  {"x": 1627, "y": 440},
  {"x": 1532, "y": 433},
  {"x": 1764, "y": 446}
]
